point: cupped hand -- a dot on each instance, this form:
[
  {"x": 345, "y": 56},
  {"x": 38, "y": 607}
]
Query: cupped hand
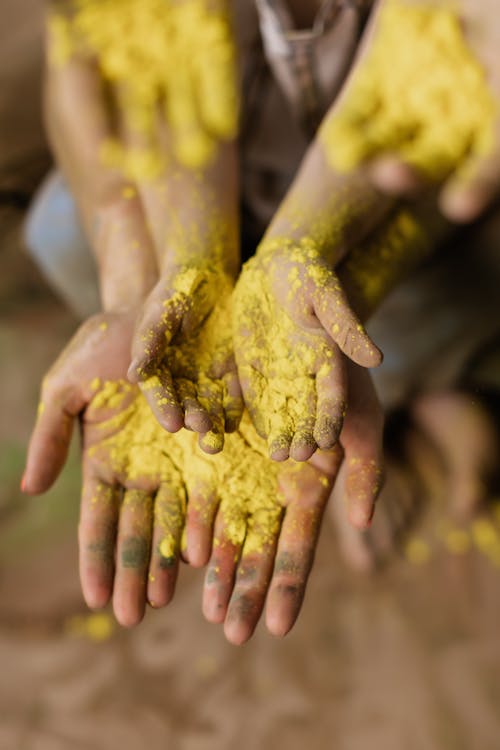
[
  {"x": 98, "y": 351},
  {"x": 292, "y": 322},
  {"x": 183, "y": 354},
  {"x": 133, "y": 505},
  {"x": 176, "y": 59},
  {"x": 264, "y": 544},
  {"x": 422, "y": 104}
]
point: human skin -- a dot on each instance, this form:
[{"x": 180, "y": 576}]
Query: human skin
[
  {"x": 186, "y": 220},
  {"x": 69, "y": 398},
  {"x": 336, "y": 212},
  {"x": 122, "y": 515},
  {"x": 324, "y": 218},
  {"x": 473, "y": 186},
  {"x": 325, "y": 215},
  {"x": 114, "y": 218}
]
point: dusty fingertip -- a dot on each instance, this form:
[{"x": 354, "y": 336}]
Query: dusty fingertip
[
  {"x": 279, "y": 450},
  {"x": 302, "y": 450},
  {"x": 237, "y": 634},
  {"x": 198, "y": 421},
  {"x": 211, "y": 442},
  {"x": 231, "y": 424},
  {"x": 171, "y": 422},
  {"x": 213, "y": 612},
  {"x": 276, "y": 627},
  {"x": 361, "y": 518},
  {"x": 196, "y": 557},
  {"x": 393, "y": 177},
  {"x": 97, "y": 598},
  {"x": 197, "y": 551},
  {"x": 460, "y": 206},
  {"x": 135, "y": 373},
  {"x": 128, "y": 619}
]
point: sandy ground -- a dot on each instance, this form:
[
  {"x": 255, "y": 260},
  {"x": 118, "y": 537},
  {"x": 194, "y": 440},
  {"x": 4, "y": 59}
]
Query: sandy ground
[{"x": 409, "y": 658}]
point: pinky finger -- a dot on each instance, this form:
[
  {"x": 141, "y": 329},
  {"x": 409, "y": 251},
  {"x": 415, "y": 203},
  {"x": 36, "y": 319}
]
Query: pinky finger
[{"x": 364, "y": 480}]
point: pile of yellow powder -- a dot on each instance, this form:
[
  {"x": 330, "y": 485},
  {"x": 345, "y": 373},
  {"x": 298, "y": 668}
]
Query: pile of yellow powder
[
  {"x": 141, "y": 453},
  {"x": 419, "y": 93}
]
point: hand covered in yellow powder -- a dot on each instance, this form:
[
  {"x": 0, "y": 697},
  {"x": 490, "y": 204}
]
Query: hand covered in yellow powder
[
  {"x": 423, "y": 104},
  {"x": 188, "y": 221},
  {"x": 292, "y": 322},
  {"x": 265, "y": 557},
  {"x": 117, "y": 495},
  {"x": 245, "y": 513},
  {"x": 183, "y": 354},
  {"x": 159, "y": 59}
]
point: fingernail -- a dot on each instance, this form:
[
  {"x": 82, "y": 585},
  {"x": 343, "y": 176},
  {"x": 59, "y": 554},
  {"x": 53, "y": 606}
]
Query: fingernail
[{"x": 23, "y": 483}]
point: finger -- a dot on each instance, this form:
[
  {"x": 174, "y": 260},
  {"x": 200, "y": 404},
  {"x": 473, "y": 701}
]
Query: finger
[
  {"x": 336, "y": 316},
  {"x": 216, "y": 83},
  {"x": 132, "y": 557},
  {"x": 96, "y": 540},
  {"x": 253, "y": 384},
  {"x": 196, "y": 417},
  {"x": 253, "y": 576},
  {"x": 393, "y": 176},
  {"x": 362, "y": 440},
  {"x": 192, "y": 146},
  {"x": 161, "y": 396},
  {"x": 309, "y": 489},
  {"x": 331, "y": 387},
  {"x": 201, "y": 510},
  {"x": 229, "y": 534},
  {"x": 160, "y": 321},
  {"x": 51, "y": 436},
  {"x": 210, "y": 395},
  {"x": 169, "y": 518},
  {"x": 280, "y": 435},
  {"x": 233, "y": 401},
  {"x": 467, "y": 195},
  {"x": 303, "y": 443}
]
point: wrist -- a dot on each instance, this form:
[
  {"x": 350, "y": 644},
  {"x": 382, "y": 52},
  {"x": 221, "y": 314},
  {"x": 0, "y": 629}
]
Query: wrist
[{"x": 125, "y": 258}]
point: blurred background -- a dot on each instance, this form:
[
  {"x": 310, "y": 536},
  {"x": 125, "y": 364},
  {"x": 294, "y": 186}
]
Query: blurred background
[{"x": 407, "y": 658}]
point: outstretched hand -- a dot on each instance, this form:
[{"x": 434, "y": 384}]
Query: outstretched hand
[
  {"x": 183, "y": 354},
  {"x": 292, "y": 323},
  {"x": 422, "y": 105}
]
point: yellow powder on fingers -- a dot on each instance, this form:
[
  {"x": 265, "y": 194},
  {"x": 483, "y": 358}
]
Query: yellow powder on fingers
[
  {"x": 197, "y": 356},
  {"x": 419, "y": 93},
  {"x": 140, "y": 453}
]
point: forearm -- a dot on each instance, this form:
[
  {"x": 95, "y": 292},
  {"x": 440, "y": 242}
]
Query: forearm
[
  {"x": 374, "y": 268},
  {"x": 194, "y": 214},
  {"x": 335, "y": 211},
  {"x": 108, "y": 205},
  {"x": 372, "y": 241}
]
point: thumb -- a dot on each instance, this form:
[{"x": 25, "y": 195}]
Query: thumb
[
  {"x": 48, "y": 446},
  {"x": 335, "y": 314},
  {"x": 158, "y": 324}
]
